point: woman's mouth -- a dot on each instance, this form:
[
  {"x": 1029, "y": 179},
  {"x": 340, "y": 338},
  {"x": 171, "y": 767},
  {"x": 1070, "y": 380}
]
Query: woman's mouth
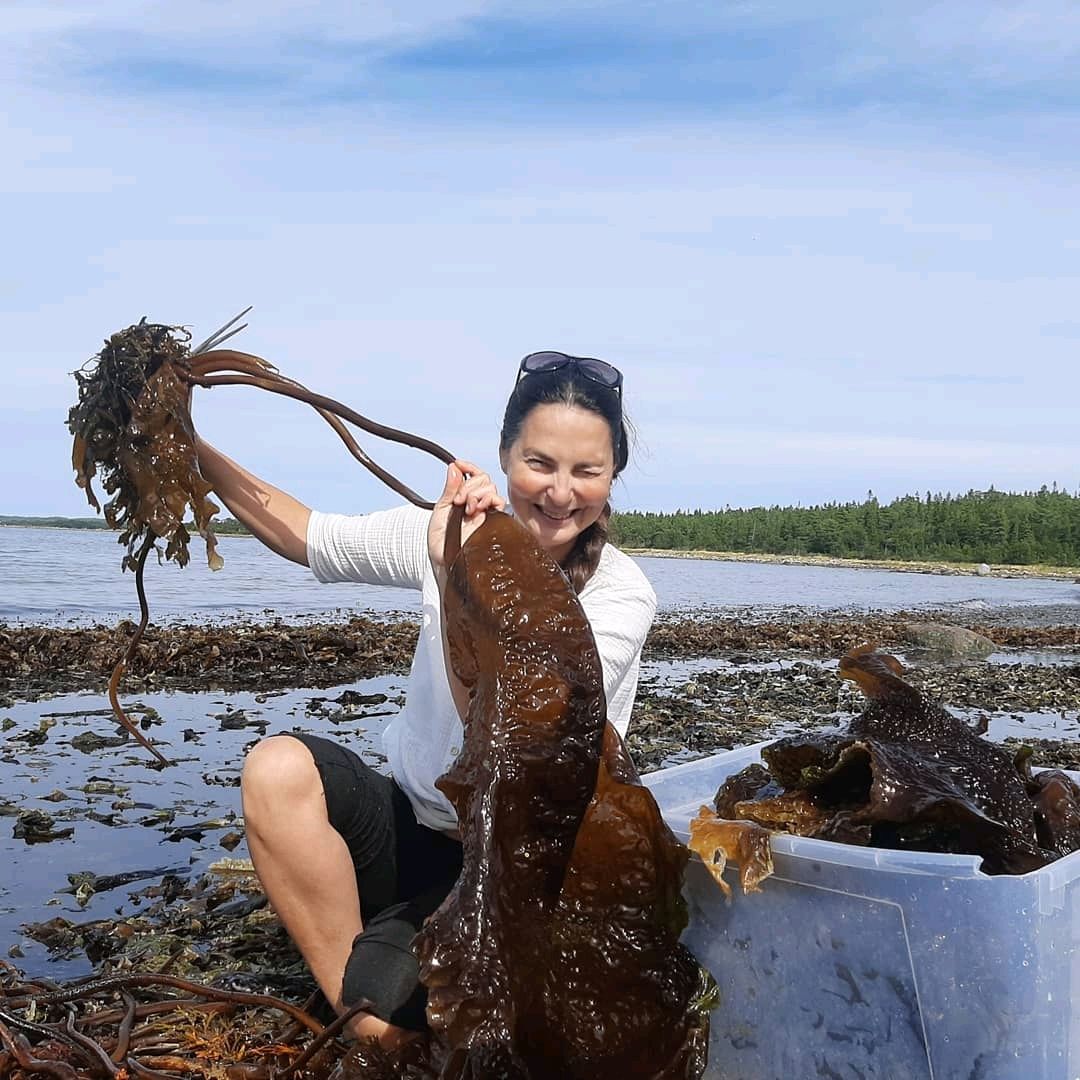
[{"x": 558, "y": 518}]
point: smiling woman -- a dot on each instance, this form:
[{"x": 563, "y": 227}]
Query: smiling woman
[{"x": 355, "y": 861}]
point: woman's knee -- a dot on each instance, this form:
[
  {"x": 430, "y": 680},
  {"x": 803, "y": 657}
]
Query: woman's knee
[{"x": 282, "y": 769}]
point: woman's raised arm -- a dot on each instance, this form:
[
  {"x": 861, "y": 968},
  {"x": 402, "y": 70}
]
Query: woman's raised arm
[{"x": 272, "y": 515}]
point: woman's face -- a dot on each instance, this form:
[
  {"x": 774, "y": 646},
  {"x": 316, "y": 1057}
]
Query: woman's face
[{"x": 559, "y": 473}]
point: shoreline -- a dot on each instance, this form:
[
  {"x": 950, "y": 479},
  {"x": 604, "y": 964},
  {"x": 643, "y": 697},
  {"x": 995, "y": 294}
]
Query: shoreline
[
  {"x": 252, "y": 655},
  {"x": 946, "y": 569}
]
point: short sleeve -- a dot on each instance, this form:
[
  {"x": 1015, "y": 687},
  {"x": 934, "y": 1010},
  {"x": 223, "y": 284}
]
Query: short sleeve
[{"x": 387, "y": 547}]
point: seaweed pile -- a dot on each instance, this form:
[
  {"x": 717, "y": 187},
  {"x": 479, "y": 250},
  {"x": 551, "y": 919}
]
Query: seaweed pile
[
  {"x": 906, "y": 774},
  {"x": 833, "y": 634}
]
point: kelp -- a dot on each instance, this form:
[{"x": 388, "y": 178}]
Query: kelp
[
  {"x": 133, "y": 423},
  {"x": 557, "y": 951},
  {"x": 907, "y": 774},
  {"x": 120, "y": 1026}
]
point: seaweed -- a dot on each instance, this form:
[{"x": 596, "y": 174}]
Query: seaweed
[
  {"x": 557, "y": 952},
  {"x": 133, "y": 423}
]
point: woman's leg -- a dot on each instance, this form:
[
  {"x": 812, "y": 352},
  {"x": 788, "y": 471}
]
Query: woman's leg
[{"x": 306, "y": 867}]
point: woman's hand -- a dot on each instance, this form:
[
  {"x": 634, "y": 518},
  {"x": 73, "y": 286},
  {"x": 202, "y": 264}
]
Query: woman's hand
[{"x": 467, "y": 486}]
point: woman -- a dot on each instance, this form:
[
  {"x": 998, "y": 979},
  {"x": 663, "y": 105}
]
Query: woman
[{"x": 353, "y": 861}]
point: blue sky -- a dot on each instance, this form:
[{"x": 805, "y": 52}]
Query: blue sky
[{"x": 832, "y": 251}]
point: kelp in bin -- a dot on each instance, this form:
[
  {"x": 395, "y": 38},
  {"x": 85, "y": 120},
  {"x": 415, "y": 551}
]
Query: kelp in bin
[
  {"x": 556, "y": 954},
  {"x": 907, "y": 774}
]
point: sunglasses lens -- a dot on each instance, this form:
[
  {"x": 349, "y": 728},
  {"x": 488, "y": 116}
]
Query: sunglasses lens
[
  {"x": 543, "y": 361},
  {"x": 603, "y": 373}
]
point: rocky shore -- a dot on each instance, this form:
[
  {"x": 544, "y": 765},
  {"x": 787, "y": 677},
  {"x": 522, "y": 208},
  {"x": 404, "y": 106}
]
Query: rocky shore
[
  {"x": 746, "y": 678},
  {"x": 247, "y": 655},
  {"x": 1057, "y": 573},
  {"x": 206, "y": 692}
]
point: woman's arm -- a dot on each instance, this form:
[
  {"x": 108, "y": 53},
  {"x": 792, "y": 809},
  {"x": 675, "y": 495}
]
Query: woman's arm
[{"x": 272, "y": 515}]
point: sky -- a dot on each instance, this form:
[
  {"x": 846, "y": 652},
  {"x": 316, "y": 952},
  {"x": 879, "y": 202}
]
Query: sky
[{"x": 833, "y": 247}]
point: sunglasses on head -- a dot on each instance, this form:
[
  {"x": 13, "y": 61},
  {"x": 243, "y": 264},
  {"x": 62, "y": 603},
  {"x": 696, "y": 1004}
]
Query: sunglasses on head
[{"x": 597, "y": 371}]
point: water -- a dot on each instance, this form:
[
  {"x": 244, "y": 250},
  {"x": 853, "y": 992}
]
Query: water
[
  {"x": 135, "y": 819},
  {"x": 56, "y": 576}
]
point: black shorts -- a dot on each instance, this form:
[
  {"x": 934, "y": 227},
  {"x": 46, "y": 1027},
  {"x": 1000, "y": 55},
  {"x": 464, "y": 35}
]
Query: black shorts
[{"x": 404, "y": 871}]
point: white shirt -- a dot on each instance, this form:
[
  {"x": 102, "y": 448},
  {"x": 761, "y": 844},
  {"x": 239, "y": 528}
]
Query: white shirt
[{"x": 389, "y": 547}]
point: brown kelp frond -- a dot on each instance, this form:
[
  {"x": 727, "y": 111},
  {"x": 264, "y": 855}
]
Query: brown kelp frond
[
  {"x": 132, "y": 425},
  {"x": 876, "y": 674},
  {"x": 557, "y": 952}
]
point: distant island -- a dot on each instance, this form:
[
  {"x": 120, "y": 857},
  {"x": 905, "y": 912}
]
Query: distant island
[
  {"x": 1034, "y": 528},
  {"x": 225, "y": 527}
]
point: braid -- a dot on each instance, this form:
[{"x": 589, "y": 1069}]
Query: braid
[{"x": 584, "y": 558}]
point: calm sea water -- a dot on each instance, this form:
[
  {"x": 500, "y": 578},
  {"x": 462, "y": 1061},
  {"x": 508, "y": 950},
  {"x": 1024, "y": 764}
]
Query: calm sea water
[{"x": 62, "y": 575}]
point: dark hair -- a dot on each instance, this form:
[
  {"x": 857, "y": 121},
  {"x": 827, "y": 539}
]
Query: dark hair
[{"x": 567, "y": 386}]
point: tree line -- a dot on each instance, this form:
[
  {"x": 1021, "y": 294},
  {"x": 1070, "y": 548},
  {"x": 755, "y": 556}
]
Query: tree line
[{"x": 981, "y": 526}]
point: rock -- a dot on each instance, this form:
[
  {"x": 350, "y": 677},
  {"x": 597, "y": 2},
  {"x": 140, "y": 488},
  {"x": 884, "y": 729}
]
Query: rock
[
  {"x": 982, "y": 570},
  {"x": 952, "y": 642}
]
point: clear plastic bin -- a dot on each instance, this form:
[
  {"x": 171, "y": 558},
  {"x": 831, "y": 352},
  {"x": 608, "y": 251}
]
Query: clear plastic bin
[{"x": 864, "y": 964}]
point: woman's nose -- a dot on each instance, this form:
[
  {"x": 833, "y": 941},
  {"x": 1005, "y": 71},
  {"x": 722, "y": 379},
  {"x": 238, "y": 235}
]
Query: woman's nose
[{"x": 560, "y": 491}]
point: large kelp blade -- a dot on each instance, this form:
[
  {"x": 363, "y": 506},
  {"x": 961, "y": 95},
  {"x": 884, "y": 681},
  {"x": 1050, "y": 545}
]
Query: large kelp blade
[
  {"x": 556, "y": 954},
  {"x": 622, "y": 997},
  {"x": 520, "y": 642}
]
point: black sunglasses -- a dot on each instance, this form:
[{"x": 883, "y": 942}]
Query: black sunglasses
[{"x": 598, "y": 371}]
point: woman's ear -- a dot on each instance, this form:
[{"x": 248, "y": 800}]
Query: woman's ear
[{"x": 504, "y": 459}]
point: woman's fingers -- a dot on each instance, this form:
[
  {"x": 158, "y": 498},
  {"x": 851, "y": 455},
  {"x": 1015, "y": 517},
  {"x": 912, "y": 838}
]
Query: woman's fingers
[
  {"x": 450, "y": 488},
  {"x": 477, "y": 492}
]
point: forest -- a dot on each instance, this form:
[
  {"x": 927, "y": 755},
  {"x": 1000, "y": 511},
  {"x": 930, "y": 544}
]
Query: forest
[
  {"x": 1040, "y": 527},
  {"x": 995, "y": 527}
]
